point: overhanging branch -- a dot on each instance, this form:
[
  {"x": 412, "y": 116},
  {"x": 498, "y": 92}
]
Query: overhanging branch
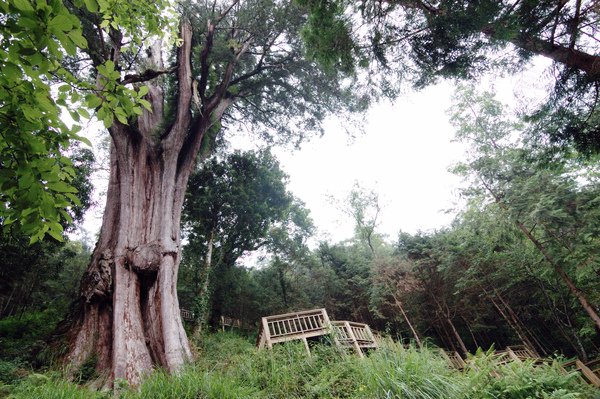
[{"x": 147, "y": 75}]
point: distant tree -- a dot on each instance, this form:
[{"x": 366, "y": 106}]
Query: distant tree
[
  {"x": 362, "y": 205},
  {"x": 233, "y": 206}
]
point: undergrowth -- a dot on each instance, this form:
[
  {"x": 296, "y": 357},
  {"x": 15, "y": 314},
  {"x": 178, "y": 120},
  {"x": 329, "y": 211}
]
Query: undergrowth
[{"x": 228, "y": 366}]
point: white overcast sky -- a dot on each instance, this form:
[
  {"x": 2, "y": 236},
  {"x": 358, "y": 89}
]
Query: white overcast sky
[{"x": 403, "y": 155}]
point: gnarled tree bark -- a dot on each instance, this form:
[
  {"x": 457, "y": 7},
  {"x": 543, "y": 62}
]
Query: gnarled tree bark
[{"x": 129, "y": 316}]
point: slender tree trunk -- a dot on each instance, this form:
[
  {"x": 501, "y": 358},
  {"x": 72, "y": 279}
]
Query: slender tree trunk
[
  {"x": 560, "y": 323},
  {"x": 580, "y": 295},
  {"x": 412, "y": 329},
  {"x": 522, "y": 336},
  {"x": 282, "y": 285},
  {"x": 471, "y": 333},
  {"x": 203, "y": 295},
  {"x": 449, "y": 339},
  {"x": 461, "y": 343},
  {"x": 532, "y": 341},
  {"x": 446, "y": 317}
]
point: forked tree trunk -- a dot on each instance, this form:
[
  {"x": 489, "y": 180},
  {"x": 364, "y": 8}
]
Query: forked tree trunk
[
  {"x": 130, "y": 320},
  {"x": 131, "y": 312}
]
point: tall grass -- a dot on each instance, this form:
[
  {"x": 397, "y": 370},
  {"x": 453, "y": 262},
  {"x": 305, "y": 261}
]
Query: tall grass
[
  {"x": 398, "y": 372},
  {"x": 228, "y": 366}
]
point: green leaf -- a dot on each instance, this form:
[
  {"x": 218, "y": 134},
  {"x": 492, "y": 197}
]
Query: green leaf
[
  {"x": 93, "y": 101},
  {"x": 61, "y": 187},
  {"x": 109, "y": 67},
  {"x": 121, "y": 117},
  {"x": 26, "y": 181},
  {"x": 91, "y": 5},
  {"x": 56, "y": 231},
  {"x": 146, "y": 104},
  {"x": 78, "y": 39},
  {"x": 12, "y": 71},
  {"x": 143, "y": 91},
  {"x": 61, "y": 22},
  {"x": 108, "y": 119},
  {"x": 23, "y": 5}
]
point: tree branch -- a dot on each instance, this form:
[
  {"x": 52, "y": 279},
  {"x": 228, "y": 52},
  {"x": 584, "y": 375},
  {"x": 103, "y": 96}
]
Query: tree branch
[
  {"x": 183, "y": 117},
  {"x": 147, "y": 75}
]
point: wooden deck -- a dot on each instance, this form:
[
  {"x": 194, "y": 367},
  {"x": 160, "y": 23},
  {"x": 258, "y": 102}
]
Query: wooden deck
[
  {"x": 358, "y": 336},
  {"x": 314, "y": 323},
  {"x": 355, "y": 335},
  {"x": 590, "y": 371},
  {"x": 187, "y": 315},
  {"x": 453, "y": 358},
  {"x": 291, "y": 326}
]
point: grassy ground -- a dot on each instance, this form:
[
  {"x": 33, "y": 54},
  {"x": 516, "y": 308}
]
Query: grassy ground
[{"x": 229, "y": 366}]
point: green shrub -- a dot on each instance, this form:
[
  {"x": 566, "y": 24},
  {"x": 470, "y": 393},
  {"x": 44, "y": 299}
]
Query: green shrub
[
  {"x": 24, "y": 335},
  {"x": 523, "y": 380},
  {"x": 11, "y": 371}
]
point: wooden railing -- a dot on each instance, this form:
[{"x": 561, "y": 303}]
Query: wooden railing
[
  {"x": 456, "y": 360},
  {"x": 230, "y": 322},
  {"x": 590, "y": 371},
  {"x": 187, "y": 315},
  {"x": 516, "y": 353},
  {"x": 290, "y": 326},
  {"x": 356, "y": 335}
]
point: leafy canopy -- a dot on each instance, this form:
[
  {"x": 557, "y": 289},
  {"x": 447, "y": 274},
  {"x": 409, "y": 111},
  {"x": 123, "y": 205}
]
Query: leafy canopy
[{"x": 43, "y": 76}]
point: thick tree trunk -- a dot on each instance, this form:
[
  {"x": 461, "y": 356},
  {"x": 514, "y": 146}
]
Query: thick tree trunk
[
  {"x": 130, "y": 316},
  {"x": 130, "y": 319}
]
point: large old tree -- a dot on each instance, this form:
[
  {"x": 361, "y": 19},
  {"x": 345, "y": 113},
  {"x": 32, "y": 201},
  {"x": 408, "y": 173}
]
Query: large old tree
[{"x": 238, "y": 63}]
